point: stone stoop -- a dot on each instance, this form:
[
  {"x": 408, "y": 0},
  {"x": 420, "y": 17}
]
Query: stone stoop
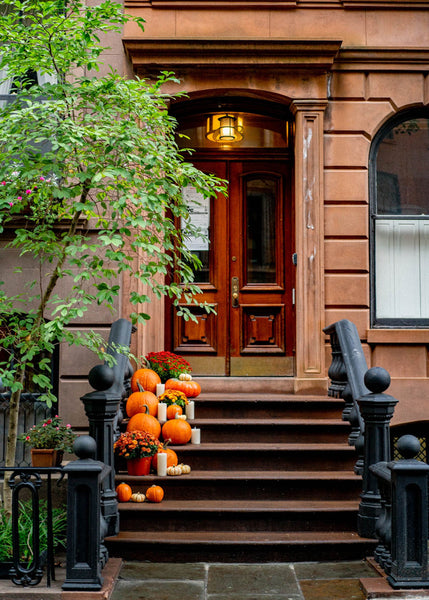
[{"x": 271, "y": 481}]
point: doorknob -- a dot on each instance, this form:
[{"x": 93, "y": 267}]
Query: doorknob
[{"x": 235, "y": 287}]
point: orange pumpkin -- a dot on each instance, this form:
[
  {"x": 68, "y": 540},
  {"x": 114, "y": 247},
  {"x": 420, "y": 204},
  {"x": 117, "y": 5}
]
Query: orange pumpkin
[
  {"x": 155, "y": 493},
  {"x": 173, "y": 410},
  {"x": 172, "y": 459},
  {"x": 147, "y": 378},
  {"x": 177, "y": 430},
  {"x": 138, "y": 400},
  {"x": 144, "y": 422},
  {"x": 191, "y": 389},
  {"x": 124, "y": 492}
]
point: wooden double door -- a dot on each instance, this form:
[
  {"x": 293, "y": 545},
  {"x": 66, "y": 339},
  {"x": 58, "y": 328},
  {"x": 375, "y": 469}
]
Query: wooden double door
[{"x": 247, "y": 273}]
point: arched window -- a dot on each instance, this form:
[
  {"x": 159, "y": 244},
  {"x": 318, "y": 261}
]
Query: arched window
[{"x": 399, "y": 196}]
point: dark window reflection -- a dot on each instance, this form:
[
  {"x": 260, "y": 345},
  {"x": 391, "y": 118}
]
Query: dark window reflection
[
  {"x": 403, "y": 169},
  {"x": 260, "y": 194}
]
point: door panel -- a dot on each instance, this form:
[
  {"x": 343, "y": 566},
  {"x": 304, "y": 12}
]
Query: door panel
[
  {"x": 206, "y": 339},
  {"x": 244, "y": 276},
  {"x": 257, "y": 251}
]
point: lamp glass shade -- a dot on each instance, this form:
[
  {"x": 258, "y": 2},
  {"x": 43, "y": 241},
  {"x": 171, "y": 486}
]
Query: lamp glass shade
[{"x": 224, "y": 128}]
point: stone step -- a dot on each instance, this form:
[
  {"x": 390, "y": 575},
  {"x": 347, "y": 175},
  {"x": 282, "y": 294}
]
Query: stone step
[
  {"x": 272, "y": 429},
  {"x": 237, "y": 385},
  {"x": 272, "y": 480},
  {"x": 243, "y": 546},
  {"x": 257, "y": 456},
  {"x": 252, "y": 514},
  {"x": 265, "y": 485},
  {"x": 251, "y": 405}
]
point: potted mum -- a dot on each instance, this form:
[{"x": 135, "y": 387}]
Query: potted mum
[
  {"x": 167, "y": 364},
  {"x": 49, "y": 439},
  {"x": 137, "y": 447}
]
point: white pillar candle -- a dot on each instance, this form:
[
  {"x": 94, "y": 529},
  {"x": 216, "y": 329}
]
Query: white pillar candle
[
  {"x": 190, "y": 410},
  {"x": 160, "y": 388},
  {"x": 196, "y": 436},
  {"x": 161, "y": 465},
  {"x": 162, "y": 412}
]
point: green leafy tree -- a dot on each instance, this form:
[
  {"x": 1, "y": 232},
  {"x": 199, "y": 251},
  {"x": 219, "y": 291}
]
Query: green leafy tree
[{"x": 91, "y": 183}]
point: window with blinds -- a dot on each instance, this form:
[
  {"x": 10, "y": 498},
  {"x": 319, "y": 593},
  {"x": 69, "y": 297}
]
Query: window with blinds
[{"x": 400, "y": 223}]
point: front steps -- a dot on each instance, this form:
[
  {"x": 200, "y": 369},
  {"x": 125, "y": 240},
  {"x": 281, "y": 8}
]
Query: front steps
[{"x": 272, "y": 480}]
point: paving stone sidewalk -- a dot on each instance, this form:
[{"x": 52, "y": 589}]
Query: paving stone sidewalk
[{"x": 219, "y": 581}]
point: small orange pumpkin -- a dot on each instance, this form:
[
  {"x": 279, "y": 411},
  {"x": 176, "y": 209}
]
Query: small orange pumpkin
[
  {"x": 173, "y": 410},
  {"x": 147, "y": 378},
  {"x": 138, "y": 400},
  {"x": 124, "y": 492},
  {"x": 144, "y": 422},
  {"x": 155, "y": 493},
  {"x": 172, "y": 459},
  {"x": 178, "y": 431}
]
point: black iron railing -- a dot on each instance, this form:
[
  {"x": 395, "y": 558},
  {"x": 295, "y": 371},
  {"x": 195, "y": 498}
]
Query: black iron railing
[
  {"x": 92, "y": 507},
  {"x": 26, "y": 482},
  {"x": 394, "y": 499},
  {"x": 402, "y": 527},
  {"x": 346, "y": 374}
]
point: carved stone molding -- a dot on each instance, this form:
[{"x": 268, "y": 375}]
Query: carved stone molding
[
  {"x": 150, "y": 54},
  {"x": 212, "y": 4},
  {"x": 309, "y": 236}
]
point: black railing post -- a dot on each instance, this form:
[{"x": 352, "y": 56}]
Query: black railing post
[
  {"x": 409, "y": 518},
  {"x": 102, "y": 407},
  {"x": 84, "y": 520},
  {"x": 377, "y": 410},
  {"x": 383, "y": 527}
]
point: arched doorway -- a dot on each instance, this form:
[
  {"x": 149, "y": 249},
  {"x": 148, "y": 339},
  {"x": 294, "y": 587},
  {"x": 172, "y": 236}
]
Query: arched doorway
[{"x": 248, "y": 272}]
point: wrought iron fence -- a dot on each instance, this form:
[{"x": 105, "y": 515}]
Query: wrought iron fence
[{"x": 26, "y": 483}]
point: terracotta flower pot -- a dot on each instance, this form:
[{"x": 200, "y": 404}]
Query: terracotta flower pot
[
  {"x": 46, "y": 457},
  {"x": 139, "y": 466}
]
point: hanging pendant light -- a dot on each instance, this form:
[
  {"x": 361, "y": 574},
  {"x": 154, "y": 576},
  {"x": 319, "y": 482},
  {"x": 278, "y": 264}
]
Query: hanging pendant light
[{"x": 225, "y": 128}]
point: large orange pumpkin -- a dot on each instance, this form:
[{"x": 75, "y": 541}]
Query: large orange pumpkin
[
  {"x": 172, "y": 459},
  {"x": 138, "y": 400},
  {"x": 147, "y": 378},
  {"x": 144, "y": 422},
  {"x": 191, "y": 389},
  {"x": 177, "y": 430}
]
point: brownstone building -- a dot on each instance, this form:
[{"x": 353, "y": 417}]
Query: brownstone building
[{"x": 317, "y": 114}]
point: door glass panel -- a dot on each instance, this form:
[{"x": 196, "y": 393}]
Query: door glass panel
[
  {"x": 199, "y": 244},
  {"x": 260, "y": 199}
]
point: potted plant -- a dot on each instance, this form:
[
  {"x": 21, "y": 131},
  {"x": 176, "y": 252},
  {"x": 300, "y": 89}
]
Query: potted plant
[
  {"x": 174, "y": 397},
  {"x": 137, "y": 447},
  {"x": 49, "y": 439},
  {"x": 167, "y": 364}
]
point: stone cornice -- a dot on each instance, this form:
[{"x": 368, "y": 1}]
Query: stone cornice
[
  {"x": 382, "y": 59},
  {"x": 148, "y": 54},
  {"x": 211, "y": 4},
  {"x": 273, "y": 4}
]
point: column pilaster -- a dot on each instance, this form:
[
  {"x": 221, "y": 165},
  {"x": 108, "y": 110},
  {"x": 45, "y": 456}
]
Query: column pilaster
[{"x": 309, "y": 235}]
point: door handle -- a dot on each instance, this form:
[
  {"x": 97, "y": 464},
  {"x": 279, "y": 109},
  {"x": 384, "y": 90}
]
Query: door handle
[{"x": 235, "y": 287}]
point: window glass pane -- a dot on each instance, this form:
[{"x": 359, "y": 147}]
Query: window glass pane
[
  {"x": 260, "y": 195},
  {"x": 199, "y": 211},
  {"x": 258, "y": 132},
  {"x": 403, "y": 169}
]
